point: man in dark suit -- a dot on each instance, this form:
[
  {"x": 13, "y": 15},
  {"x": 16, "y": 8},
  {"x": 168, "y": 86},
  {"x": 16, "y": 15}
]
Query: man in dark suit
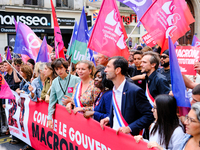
[{"x": 130, "y": 99}]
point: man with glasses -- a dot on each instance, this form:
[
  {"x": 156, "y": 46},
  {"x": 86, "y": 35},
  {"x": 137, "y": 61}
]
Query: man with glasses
[{"x": 164, "y": 61}]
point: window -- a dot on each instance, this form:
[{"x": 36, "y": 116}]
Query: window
[
  {"x": 62, "y": 3},
  {"x": 122, "y": 5},
  {"x": 34, "y": 2}
]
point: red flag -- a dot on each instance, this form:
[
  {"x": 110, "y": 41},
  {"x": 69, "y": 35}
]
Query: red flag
[
  {"x": 57, "y": 34},
  {"x": 167, "y": 18},
  {"x": 5, "y": 91},
  {"x": 108, "y": 35}
]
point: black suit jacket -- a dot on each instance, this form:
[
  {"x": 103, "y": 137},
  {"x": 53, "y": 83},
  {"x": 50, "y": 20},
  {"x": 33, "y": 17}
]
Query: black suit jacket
[{"x": 136, "y": 109}]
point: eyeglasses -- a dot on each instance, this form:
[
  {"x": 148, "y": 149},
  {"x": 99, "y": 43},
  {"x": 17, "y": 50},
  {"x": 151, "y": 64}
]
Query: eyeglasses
[
  {"x": 190, "y": 119},
  {"x": 163, "y": 56}
]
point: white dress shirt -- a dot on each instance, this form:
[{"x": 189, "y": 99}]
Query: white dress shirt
[{"x": 118, "y": 95}]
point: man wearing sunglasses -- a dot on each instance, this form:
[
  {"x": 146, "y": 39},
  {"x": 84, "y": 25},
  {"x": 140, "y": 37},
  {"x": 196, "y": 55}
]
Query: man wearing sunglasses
[{"x": 164, "y": 61}]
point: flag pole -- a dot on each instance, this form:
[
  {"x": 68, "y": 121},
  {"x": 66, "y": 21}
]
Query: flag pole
[
  {"x": 132, "y": 31},
  {"x": 16, "y": 70}
]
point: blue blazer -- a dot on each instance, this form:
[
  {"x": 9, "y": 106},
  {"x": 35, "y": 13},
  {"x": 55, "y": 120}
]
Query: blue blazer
[
  {"x": 102, "y": 110},
  {"x": 136, "y": 109}
]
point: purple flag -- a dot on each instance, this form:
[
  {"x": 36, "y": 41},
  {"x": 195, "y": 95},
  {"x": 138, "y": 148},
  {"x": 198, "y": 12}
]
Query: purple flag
[
  {"x": 15, "y": 24},
  {"x": 43, "y": 52},
  {"x": 8, "y": 54},
  {"x": 195, "y": 42},
  {"x": 138, "y": 6},
  {"x": 178, "y": 85}
]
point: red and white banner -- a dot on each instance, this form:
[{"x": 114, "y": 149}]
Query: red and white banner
[
  {"x": 148, "y": 40},
  {"x": 187, "y": 56},
  {"x": 28, "y": 121}
]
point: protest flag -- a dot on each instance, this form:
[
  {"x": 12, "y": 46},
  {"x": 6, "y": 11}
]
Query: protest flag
[
  {"x": 27, "y": 43},
  {"x": 167, "y": 18},
  {"x": 43, "y": 52},
  {"x": 5, "y": 91},
  {"x": 70, "y": 49},
  {"x": 0, "y": 58},
  {"x": 177, "y": 82},
  {"x": 195, "y": 42},
  {"x": 80, "y": 46},
  {"x": 15, "y": 24},
  {"x": 138, "y": 6},
  {"x": 108, "y": 36},
  {"x": 91, "y": 52},
  {"x": 59, "y": 44},
  {"x": 8, "y": 54}
]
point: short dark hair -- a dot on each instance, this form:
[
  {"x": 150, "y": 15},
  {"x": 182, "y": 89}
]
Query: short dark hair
[
  {"x": 120, "y": 62},
  {"x": 9, "y": 60},
  {"x": 154, "y": 58},
  {"x": 105, "y": 82},
  {"x": 58, "y": 62},
  {"x": 196, "y": 90},
  {"x": 10, "y": 48},
  {"x": 1, "y": 63},
  {"x": 137, "y": 52},
  {"x": 18, "y": 61},
  {"x": 31, "y": 61}
]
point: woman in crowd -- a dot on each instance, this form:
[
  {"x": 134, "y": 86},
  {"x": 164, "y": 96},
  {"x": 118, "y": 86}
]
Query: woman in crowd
[
  {"x": 50, "y": 75},
  {"x": 191, "y": 140},
  {"x": 103, "y": 101},
  {"x": 37, "y": 84},
  {"x": 26, "y": 73},
  {"x": 85, "y": 92},
  {"x": 165, "y": 132},
  {"x": 31, "y": 63}
]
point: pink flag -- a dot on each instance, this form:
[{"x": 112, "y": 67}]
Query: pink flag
[
  {"x": 108, "y": 35},
  {"x": 0, "y": 58},
  {"x": 167, "y": 18},
  {"x": 5, "y": 91},
  {"x": 57, "y": 34}
]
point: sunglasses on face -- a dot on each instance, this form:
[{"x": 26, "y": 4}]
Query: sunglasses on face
[{"x": 164, "y": 57}]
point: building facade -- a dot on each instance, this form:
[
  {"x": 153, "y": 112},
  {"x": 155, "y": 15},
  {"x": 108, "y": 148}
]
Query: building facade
[{"x": 37, "y": 15}]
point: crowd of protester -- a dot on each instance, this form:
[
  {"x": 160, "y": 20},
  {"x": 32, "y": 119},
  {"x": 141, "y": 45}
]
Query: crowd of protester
[{"x": 93, "y": 90}]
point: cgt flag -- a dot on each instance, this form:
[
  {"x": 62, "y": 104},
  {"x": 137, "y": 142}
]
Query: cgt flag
[
  {"x": 167, "y": 18},
  {"x": 43, "y": 55},
  {"x": 80, "y": 46},
  {"x": 27, "y": 42},
  {"x": 195, "y": 42},
  {"x": 178, "y": 85},
  {"x": 57, "y": 33},
  {"x": 5, "y": 91},
  {"x": 108, "y": 36}
]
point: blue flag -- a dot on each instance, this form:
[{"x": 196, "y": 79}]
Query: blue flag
[
  {"x": 70, "y": 49},
  {"x": 80, "y": 48},
  {"x": 43, "y": 52},
  {"x": 91, "y": 52},
  {"x": 178, "y": 85}
]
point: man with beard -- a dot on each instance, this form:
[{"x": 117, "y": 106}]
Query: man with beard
[
  {"x": 157, "y": 83},
  {"x": 164, "y": 61}
]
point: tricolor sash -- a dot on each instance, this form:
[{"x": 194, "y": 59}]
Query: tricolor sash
[
  {"x": 77, "y": 95},
  {"x": 120, "y": 118},
  {"x": 148, "y": 95}
]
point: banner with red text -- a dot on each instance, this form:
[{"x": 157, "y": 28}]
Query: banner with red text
[
  {"x": 148, "y": 40},
  {"x": 71, "y": 132},
  {"x": 187, "y": 56}
]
